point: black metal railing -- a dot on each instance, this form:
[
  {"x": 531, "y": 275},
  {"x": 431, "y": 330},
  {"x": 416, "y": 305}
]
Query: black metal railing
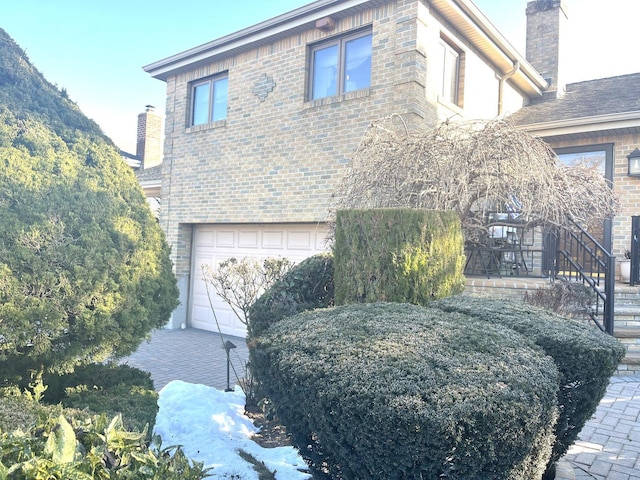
[
  {"x": 634, "y": 278},
  {"x": 579, "y": 257}
]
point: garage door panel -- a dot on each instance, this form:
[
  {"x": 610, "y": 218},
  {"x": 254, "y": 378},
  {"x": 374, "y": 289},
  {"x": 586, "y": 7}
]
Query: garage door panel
[
  {"x": 299, "y": 240},
  {"x": 204, "y": 237},
  {"x": 215, "y": 243},
  {"x": 225, "y": 238},
  {"x": 273, "y": 239},
  {"x": 248, "y": 239}
]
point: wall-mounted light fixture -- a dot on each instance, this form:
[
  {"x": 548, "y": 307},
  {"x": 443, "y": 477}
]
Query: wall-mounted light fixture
[{"x": 634, "y": 163}]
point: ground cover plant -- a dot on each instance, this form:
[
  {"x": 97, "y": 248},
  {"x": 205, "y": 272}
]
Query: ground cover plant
[{"x": 56, "y": 447}]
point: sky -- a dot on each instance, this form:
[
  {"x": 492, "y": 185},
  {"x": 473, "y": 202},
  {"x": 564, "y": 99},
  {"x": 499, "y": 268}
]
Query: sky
[
  {"x": 195, "y": 416},
  {"x": 95, "y": 49}
]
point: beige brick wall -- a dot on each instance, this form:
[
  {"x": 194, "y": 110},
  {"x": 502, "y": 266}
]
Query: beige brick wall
[{"x": 279, "y": 159}]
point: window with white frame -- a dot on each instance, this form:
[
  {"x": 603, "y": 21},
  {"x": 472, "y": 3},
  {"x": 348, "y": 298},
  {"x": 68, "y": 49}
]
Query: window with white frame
[
  {"x": 340, "y": 65},
  {"x": 451, "y": 61},
  {"x": 209, "y": 100}
]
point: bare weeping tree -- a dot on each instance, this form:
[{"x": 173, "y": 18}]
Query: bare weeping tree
[{"x": 472, "y": 168}]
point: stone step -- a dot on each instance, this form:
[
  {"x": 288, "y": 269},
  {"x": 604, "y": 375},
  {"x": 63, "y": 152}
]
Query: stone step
[
  {"x": 630, "y": 364},
  {"x": 625, "y": 293},
  {"x": 631, "y": 358},
  {"x": 626, "y": 315},
  {"x": 627, "y": 332}
]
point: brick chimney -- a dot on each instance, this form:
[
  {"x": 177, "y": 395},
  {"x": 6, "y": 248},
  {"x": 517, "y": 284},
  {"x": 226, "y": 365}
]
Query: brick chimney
[
  {"x": 546, "y": 27},
  {"x": 149, "y": 142}
]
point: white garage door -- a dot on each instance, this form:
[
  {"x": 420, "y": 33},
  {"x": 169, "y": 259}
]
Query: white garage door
[{"x": 216, "y": 243}]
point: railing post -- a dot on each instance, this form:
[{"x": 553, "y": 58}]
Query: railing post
[
  {"x": 635, "y": 251},
  {"x": 609, "y": 286}
]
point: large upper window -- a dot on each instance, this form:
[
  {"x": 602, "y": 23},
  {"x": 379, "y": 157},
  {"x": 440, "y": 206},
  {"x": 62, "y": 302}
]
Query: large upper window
[
  {"x": 209, "y": 100},
  {"x": 451, "y": 62},
  {"x": 600, "y": 158},
  {"x": 341, "y": 65}
]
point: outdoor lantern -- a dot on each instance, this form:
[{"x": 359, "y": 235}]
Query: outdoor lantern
[
  {"x": 227, "y": 347},
  {"x": 634, "y": 163}
]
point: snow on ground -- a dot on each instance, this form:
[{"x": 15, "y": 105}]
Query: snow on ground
[{"x": 211, "y": 427}]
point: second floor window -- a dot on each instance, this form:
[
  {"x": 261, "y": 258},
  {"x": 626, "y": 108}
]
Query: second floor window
[
  {"x": 209, "y": 100},
  {"x": 340, "y": 65},
  {"x": 450, "y": 87}
]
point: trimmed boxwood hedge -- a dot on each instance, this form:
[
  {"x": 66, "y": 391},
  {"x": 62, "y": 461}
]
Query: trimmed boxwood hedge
[
  {"x": 306, "y": 286},
  {"x": 585, "y": 356},
  {"x": 390, "y": 390}
]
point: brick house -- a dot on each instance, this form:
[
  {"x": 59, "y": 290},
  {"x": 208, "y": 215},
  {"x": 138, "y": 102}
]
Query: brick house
[{"x": 260, "y": 124}]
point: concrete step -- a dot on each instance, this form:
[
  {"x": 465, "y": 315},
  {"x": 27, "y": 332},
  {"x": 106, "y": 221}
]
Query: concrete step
[
  {"x": 626, "y": 315},
  {"x": 632, "y": 358}
]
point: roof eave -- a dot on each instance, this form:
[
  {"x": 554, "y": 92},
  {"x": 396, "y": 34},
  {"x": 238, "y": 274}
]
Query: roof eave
[
  {"x": 242, "y": 39},
  {"x": 612, "y": 122}
]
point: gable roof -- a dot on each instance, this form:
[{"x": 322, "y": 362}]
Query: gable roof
[{"x": 606, "y": 104}]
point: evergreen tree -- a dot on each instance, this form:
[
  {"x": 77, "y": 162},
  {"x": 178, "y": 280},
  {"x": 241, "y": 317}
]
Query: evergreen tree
[{"x": 85, "y": 272}]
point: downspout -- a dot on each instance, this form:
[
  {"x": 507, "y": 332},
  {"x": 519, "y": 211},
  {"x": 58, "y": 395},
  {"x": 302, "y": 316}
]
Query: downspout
[{"x": 505, "y": 77}]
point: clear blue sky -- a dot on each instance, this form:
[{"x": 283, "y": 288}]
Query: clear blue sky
[{"x": 96, "y": 49}]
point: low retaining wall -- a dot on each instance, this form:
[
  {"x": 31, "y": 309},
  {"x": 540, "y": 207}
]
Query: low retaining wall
[{"x": 509, "y": 288}]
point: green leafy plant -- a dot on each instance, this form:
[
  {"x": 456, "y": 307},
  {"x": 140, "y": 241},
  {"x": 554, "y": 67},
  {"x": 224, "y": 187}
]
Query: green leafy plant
[
  {"x": 585, "y": 357},
  {"x": 55, "y": 449},
  {"x": 397, "y": 255}
]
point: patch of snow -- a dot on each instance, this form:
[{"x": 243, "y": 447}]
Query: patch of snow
[{"x": 211, "y": 427}]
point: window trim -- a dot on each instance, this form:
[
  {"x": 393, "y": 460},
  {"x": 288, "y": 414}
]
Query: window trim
[
  {"x": 211, "y": 81},
  {"x": 447, "y": 47},
  {"x": 340, "y": 41}
]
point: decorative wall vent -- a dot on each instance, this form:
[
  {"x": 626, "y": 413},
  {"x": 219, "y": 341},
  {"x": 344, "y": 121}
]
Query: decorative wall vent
[{"x": 263, "y": 87}]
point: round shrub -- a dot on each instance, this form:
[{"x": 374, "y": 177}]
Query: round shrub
[
  {"x": 389, "y": 390},
  {"x": 107, "y": 388},
  {"x": 306, "y": 286},
  {"x": 585, "y": 357}
]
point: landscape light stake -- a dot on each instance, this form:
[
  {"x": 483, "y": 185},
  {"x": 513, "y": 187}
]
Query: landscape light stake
[{"x": 227, "y": 347}]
